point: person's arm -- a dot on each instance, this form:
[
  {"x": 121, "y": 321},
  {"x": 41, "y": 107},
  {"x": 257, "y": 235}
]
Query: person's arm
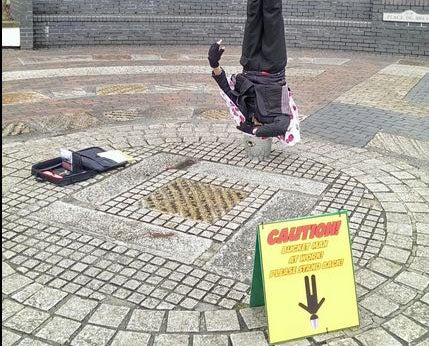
[
  {"x": 217, "y": 71},
  {"x": 218, "y": 74}
]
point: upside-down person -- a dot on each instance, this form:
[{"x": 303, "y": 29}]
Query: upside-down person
[{"x": 259, "y": 98}]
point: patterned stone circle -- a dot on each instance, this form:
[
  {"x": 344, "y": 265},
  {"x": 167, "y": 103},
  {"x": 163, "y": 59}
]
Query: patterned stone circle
[{"x": 95, "y": 268}]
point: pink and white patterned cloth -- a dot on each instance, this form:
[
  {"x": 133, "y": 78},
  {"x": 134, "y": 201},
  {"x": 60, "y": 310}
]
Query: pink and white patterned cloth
[{"x": 292, "y": 135}]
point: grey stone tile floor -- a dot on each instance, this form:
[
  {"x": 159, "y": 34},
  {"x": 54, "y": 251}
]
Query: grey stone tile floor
[{"x": 94, "y": 264}]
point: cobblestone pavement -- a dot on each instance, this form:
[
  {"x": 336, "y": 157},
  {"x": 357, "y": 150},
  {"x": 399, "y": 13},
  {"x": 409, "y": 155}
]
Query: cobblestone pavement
[{"x": 125, "y": 259}]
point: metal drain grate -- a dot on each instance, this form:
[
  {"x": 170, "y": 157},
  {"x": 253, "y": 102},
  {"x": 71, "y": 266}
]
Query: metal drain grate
[{"x": 195, "y": 200}]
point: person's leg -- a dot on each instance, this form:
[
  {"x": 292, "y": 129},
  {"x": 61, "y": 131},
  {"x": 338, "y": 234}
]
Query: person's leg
[
  {"x": 253, "y": 31},
  {"x": 273, "y": 126},
  {"x": 273, "y": 45}
]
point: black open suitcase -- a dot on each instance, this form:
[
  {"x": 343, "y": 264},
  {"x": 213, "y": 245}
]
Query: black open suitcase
[{"x": 86, "y": 164}]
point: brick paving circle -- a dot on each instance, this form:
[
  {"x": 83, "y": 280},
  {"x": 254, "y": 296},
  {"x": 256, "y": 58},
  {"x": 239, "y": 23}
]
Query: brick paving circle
[{"x": 51, "y": 267}]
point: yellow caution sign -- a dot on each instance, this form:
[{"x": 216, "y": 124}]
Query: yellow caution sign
[{"x": 304, "y": 275}]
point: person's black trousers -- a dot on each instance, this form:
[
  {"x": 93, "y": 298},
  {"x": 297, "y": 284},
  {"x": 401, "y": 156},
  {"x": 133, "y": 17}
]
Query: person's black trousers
[{"x": 264, "y": 46}]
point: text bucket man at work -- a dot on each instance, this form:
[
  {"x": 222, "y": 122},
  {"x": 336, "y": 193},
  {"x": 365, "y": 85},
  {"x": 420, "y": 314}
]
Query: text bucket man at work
[{"x": 259, "y": 98}]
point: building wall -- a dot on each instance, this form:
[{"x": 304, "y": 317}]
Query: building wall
[
  {"x": 336, "y": 24},
  {"x": 353, "y": 9},
  {"x": 22, "y": 11}
]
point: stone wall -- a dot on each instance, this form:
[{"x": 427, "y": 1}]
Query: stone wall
[
  {"x": 353, "y": 9},
  {"x": 22, "y": 11},
  {"x": 336, "y": 24}
]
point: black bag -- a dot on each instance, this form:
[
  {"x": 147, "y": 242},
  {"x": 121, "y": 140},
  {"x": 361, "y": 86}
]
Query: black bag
[{"x": 85, "y": 165}]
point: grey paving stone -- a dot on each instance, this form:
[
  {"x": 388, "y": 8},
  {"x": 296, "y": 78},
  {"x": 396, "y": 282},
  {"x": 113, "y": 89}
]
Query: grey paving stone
[
  {"x": 398, "y": 293},
  {"x": 171, "y": 339},
  {"x": 343, "y": 342},
  {"x": 221, "y": 320},
  {"x": 384, "y": 266},
  {"x": 130, "y": 339},
  {"x": 399, "y": 240},
  {"x": 58, "y": 330},
  {"x": 405, "y": 328},
  {"x": 210, "y": 340},
  {"x": 109, "y": 315},
  {"x": 419, "y": 312},
  {"x": 254, "y": 317},
  {"x": 301, "y": 342},
  {"x": 27, "y": 320},
  {"x": 14, "y": 282},
  {"x": 27, "y": 292},
  {"x": 369, "y": 279},
  {"x": 425, "y": 298},
  {"x": 379, "y": 305},
  {"x": 6, "y": 270},
  {"x": 377, "y": 336},
  {"x": 77, "y": 308},
  {"x": 249, "y": 339},
  {"x": 423, "y": 239},
  {"x": 403, "y": 220},
  {"x": 418, "y": 207},
  {"x": 424, "y": 342},
  {"x": 324, "y": 337},
  {"x": 420, "y": 264},
  {"x": 422, "y": 227},
  {"x": 9, "y": 308},
  {"x": 46, "y": 298},
  {"x": 394, "y": 254},
  {"x": 183, "y": 321},
  {"x": 8, "y": 338},
  {"x": 146, "y": 320},
  {"x": 417, "y": 281},
  {"x": 31, "y": 342},
  {"x": 92, "y": 335}
]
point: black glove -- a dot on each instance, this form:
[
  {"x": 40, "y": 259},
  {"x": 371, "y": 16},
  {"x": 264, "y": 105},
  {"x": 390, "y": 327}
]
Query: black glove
[
  {"x": 245, "y": 127},
  {"x": 215, "y": 53}
]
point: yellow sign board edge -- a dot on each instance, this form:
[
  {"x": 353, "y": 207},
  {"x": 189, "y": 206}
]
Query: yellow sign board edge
[
  {"x": 258, "y": 243},
  {"x": 339, "y": 212}
]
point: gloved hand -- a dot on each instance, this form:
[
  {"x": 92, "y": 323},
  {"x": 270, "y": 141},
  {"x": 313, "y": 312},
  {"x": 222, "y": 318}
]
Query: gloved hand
[
  {"x": 215, "y": 53},
  {"x": 245, "y": 127}
]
